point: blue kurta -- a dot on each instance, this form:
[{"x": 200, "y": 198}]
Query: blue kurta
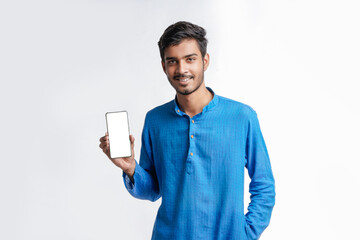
[{"x": 197, "y": 166}]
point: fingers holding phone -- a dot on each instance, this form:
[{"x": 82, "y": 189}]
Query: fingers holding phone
[
  {"x": 127, "y": 164},
  {"x": 104, "y": 144}
]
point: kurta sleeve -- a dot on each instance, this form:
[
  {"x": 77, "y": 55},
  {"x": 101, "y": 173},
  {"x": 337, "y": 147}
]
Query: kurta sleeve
[
  {"x": 145, "y": 184},
  {"x": 262, "y": 185}
]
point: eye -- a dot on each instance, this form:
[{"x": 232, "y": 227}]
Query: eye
[
  {"x": 190, "y": 59},
  {"x": 171, "y": 61}
]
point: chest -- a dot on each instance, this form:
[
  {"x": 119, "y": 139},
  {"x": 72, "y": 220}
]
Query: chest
[{"x": 215, "y": 137}]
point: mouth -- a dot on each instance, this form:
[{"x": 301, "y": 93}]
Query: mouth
[{"x": 183, "y": 79}]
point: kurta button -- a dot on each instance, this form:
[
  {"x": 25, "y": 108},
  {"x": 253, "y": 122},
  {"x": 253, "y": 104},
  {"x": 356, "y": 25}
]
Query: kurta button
[
  {"x": 192, "y": 136},
  {"x": 193, "y": 121},
  {"x": 178, "y": 110},
  {"x": 191, "y": 154}
]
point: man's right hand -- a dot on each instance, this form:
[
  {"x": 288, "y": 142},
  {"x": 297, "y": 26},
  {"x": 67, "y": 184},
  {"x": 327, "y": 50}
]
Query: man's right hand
[{"x": 127, "y": 164}]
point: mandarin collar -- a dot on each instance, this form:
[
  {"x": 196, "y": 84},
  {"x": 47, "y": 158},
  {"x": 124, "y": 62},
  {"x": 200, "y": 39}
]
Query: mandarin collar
[{"x": 208, "y": 107}]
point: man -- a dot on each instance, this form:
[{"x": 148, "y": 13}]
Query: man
[{"x": 194, "y": 152}]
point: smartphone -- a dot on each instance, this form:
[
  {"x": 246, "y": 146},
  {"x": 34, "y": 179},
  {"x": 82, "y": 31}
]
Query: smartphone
[{"x": 117, "y": 124}]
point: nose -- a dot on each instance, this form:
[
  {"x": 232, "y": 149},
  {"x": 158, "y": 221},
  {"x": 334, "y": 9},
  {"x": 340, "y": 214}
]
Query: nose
[{"x": 182, "y": 68}]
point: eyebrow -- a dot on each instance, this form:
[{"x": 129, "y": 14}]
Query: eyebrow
[{"x": 189, "y": 55}]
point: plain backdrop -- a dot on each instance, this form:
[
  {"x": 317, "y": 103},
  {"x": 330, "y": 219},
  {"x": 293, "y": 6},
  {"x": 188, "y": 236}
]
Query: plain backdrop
[{"x": 64, "y": 64}]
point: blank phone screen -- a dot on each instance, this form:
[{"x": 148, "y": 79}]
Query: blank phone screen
[{"x": 118, "y": 130}]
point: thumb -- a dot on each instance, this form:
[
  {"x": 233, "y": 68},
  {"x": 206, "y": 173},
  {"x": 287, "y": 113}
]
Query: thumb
[{"x": 132, "y": 139}]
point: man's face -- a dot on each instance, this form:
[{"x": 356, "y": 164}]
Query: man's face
[{"x": 184, "y": 66}]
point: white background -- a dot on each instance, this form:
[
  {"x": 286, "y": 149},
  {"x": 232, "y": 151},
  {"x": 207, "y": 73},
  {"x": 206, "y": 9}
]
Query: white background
[{"x": 63, "y": 64}]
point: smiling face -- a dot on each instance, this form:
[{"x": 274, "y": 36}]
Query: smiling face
[{"x": 184, "y": 66}]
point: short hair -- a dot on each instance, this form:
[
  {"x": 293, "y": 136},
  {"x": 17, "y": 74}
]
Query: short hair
[{"x": 179, "y": 31}]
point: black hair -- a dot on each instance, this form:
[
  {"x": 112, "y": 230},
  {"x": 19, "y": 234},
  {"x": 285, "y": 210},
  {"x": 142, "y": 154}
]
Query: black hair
[{"x": 179, "y": 31}]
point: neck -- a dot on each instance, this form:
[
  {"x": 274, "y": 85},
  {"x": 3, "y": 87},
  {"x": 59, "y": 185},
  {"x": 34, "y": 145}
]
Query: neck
[{"x": 194, "y": 103}]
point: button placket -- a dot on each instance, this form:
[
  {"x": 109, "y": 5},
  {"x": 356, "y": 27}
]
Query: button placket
[{"x": 191, "y": 146}]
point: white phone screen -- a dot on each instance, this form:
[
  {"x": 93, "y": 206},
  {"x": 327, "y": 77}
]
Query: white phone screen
[{"x": 118, "y": 130}]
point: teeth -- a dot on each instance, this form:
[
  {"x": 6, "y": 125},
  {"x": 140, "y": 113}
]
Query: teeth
[{"x": 184, "y": 80}]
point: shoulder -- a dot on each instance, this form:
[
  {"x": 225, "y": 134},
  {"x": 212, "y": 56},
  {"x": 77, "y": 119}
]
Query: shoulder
[
  {"x": 236, "y": 107},
  {"x": 159, "y": 112}
]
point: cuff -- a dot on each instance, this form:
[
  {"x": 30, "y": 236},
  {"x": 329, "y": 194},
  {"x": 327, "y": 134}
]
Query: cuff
[{"x": 128, "y": 183}]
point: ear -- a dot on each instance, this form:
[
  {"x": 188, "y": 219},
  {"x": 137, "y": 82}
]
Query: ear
[
  {"x": 206, "y": 61},
  {"x": 163, "y": 66}
]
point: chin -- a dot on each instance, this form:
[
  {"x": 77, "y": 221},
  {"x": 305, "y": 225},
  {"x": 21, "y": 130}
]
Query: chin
[{"x": 186, "y": 92}]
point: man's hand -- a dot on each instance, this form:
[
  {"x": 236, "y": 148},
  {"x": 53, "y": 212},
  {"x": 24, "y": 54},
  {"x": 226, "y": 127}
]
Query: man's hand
[{"x": 127, "y": 164}]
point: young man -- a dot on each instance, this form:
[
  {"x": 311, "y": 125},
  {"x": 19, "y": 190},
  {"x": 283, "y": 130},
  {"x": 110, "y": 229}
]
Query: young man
[{"x": 194, "y": 152}]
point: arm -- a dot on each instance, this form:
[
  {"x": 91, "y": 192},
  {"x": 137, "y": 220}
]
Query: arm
[
  {"x": 262, "y": 185},
  {"x": 143, "y": 183}
]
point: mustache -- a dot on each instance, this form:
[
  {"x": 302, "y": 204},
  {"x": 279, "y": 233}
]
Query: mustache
[{"x": 183, "y": 76}]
